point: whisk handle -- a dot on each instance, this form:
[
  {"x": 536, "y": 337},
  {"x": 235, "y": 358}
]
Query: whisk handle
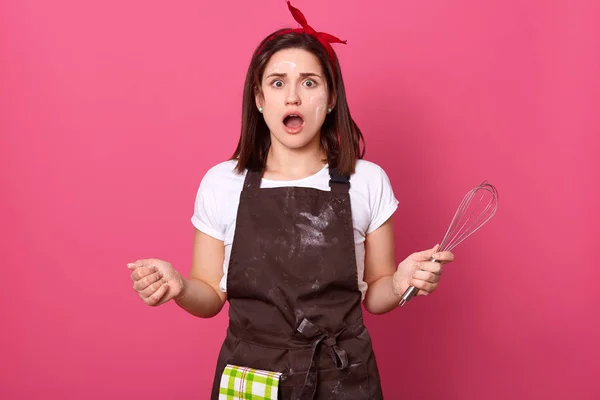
[{"x": 409, "y": 293}]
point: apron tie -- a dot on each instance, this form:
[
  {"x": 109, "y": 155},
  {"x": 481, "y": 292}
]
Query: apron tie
[
  {"x": 318, "y": 336},
  {"x": 310, "y": 337}
]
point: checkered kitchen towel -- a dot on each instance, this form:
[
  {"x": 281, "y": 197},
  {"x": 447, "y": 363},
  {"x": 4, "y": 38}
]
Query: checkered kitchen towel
[{"x": 248, "y": 384}]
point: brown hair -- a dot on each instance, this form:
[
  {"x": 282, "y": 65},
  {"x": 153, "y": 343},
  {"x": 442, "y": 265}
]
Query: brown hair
[{"x": 340, "y": 136}]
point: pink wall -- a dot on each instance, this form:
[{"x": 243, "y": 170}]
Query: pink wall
[{"x": 112, "y": 111}]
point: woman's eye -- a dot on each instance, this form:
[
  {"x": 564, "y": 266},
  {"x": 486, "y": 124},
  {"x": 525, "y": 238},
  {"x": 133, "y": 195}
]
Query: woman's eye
[
  {"x": 310, "y": 83},
  {"x": 277, "y": 83}
]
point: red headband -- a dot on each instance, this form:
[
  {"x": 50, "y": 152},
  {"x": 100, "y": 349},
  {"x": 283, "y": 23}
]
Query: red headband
[{"x": 324, "y": 38}]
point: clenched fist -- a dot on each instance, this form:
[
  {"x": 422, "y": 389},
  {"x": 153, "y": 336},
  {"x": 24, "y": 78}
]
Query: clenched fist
[{"x": 155, "y": 281}]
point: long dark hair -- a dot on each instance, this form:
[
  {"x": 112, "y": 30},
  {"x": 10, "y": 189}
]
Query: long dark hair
[{"x": 340, "y": 136}]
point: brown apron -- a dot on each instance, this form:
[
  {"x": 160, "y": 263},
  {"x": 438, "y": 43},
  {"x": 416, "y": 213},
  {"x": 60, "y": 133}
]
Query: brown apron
[{"x": 292, "y": 286}]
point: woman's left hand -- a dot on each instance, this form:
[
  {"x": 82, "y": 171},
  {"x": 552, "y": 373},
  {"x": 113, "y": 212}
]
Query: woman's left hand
[{"x": 419, "y": 271}]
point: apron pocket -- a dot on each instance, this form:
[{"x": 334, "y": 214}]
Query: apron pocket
[{"x": 248, "y": 383}]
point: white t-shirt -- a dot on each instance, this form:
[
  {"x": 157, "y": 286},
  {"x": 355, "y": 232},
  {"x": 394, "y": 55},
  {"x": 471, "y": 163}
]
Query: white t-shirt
[{"x": 371, "y": 197}]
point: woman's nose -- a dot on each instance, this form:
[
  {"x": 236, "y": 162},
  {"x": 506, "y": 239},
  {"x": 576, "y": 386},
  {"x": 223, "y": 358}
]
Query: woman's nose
[{"x": 292, "y": 98}]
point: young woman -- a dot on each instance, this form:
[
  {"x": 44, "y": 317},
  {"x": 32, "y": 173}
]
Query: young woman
[{"x": 295, "y": 231}]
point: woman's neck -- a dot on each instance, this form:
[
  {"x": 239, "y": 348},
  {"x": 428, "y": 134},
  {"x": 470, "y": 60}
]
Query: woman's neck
[{"x": 284, "y": 163}]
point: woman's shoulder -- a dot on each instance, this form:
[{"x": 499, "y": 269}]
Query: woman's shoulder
[
  {"x": 223, "y": 174},
  {"x": 370, "y": 177},
  {"x": 226, "y": 167},
  {"x": 367, "y": 169}
]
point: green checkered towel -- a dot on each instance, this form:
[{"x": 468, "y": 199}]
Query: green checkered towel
[{"x": 241, "y": 383}]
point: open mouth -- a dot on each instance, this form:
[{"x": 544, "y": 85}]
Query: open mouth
[{"x": 293, "y": 123}]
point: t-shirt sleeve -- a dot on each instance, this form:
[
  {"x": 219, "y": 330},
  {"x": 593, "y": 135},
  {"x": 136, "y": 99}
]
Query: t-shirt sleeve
[
  {"x": 382, "y": 200},
  {"x": 206, "y": 217}
]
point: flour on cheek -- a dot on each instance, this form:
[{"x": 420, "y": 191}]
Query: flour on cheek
[{"x": 318, "y": 103}]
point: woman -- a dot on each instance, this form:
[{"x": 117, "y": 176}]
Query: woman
[{"x": 295, "y": 231}]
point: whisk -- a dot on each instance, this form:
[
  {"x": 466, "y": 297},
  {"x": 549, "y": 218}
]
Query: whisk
[{"x": 470, "y": 216}]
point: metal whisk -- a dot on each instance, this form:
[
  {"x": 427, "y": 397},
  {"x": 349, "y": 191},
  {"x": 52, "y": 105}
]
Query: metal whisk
[{"x": 470, "y": 216}]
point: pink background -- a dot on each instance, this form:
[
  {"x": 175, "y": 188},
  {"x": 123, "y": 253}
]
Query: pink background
[{"x": 112, "y": 111}]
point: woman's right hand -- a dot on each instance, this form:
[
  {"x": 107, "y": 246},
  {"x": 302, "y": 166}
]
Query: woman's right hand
[{"x": 155, "y": 281}]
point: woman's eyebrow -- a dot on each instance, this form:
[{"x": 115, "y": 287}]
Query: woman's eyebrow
[
  {"x": 302, "y": 74},
  {"x": 278, "y": 74}
]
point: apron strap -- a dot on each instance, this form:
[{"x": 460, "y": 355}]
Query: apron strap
[
  {"x": 338, "y": 183},
  {"x": 253, "y": 178}
]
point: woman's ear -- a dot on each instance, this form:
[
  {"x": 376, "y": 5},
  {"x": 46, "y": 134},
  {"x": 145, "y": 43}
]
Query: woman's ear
[
  {"x": 331, "y": 106},
  {"x": 258, "y": 98},
  {"x": 332, "y": 100}
]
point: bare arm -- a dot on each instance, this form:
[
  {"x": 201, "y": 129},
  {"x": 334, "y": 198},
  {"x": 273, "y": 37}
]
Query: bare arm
[
  {"x": 386, "y": 282},
  {"x": 201, "y": 295},
  {"x": 380, "y": 266}
]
